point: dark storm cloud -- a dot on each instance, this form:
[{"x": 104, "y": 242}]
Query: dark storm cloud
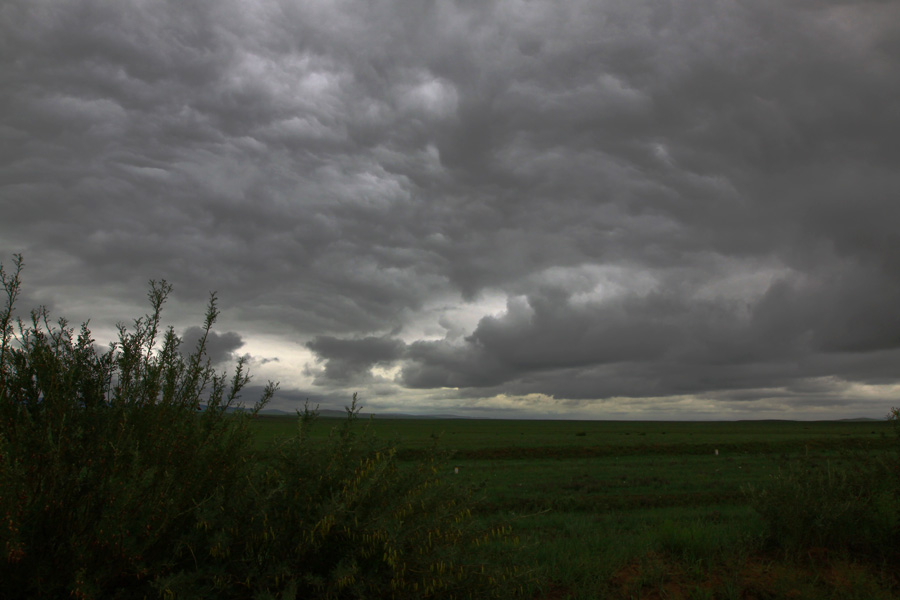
[
  {"x": 840, "y": 326},
  {"x": 351, "y": 361},
  {"x": 675, "y": 198},
  {"x": 220, "y": 347}
]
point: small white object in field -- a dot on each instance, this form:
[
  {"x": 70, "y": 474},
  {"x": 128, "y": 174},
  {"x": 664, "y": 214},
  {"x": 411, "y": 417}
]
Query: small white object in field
[
  {"x": 717, "y": 451},
  {"x": 456, "y": 470}
]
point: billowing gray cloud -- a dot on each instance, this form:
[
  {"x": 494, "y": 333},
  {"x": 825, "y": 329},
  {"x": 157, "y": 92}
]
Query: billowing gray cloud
[
  {"x": 669, "y": 198},
  {"x": 840, "y": 327},
  {"x": 351, "y": 360},
  {"x": 220, "y": 347}
]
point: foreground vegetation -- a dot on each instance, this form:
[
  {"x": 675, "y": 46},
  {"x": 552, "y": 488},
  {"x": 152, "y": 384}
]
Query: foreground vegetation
[{"x": 125, "y": 473}]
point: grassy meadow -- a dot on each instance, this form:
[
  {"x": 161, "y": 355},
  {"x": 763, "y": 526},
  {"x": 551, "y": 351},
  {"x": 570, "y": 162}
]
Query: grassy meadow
[{"x": 642, "y": 509}]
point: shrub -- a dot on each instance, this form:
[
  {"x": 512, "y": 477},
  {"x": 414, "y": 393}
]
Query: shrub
[
  {"x": 342, "y": 518},
  {"x": 124, "y": 474},
  {"x": 105, "y": 457}
]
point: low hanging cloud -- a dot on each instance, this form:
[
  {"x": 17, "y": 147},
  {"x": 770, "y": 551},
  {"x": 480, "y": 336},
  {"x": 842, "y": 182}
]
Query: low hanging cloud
[
  {"x": 220, "y": 347},
  {"x": 800, "y": 334},
  {"x": 349, "y": 361},
  {"x": 670, "y": 342}
]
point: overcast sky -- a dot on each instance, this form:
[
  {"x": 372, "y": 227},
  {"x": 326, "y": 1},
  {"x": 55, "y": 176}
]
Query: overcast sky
[{"x": 569, "y": 208}]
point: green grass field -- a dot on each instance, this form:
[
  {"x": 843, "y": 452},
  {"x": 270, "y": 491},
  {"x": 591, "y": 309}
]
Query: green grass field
[
  {"x": 640, "y": 509},
  {"x": 470, "y": 434}
]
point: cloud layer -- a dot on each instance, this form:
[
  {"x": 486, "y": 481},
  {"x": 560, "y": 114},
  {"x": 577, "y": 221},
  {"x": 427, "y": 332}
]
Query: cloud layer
[{"x": 625, "y": 207}]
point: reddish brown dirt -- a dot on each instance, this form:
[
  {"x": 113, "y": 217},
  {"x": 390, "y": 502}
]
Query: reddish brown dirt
[
  {"x": 756, "y": 578},
  {"x": 553, "y": 591}
]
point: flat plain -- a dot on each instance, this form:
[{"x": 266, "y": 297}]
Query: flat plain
[{"x": 625, "y": 509}]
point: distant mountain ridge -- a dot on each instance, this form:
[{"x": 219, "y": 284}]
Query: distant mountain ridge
[{"x": 328, "y": 413}]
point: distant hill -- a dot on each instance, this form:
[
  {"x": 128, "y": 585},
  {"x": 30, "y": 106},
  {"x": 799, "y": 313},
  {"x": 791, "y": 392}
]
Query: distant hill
[
  {"x": 327, "y": 413},
  {"x": 332, "y": 413}
]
